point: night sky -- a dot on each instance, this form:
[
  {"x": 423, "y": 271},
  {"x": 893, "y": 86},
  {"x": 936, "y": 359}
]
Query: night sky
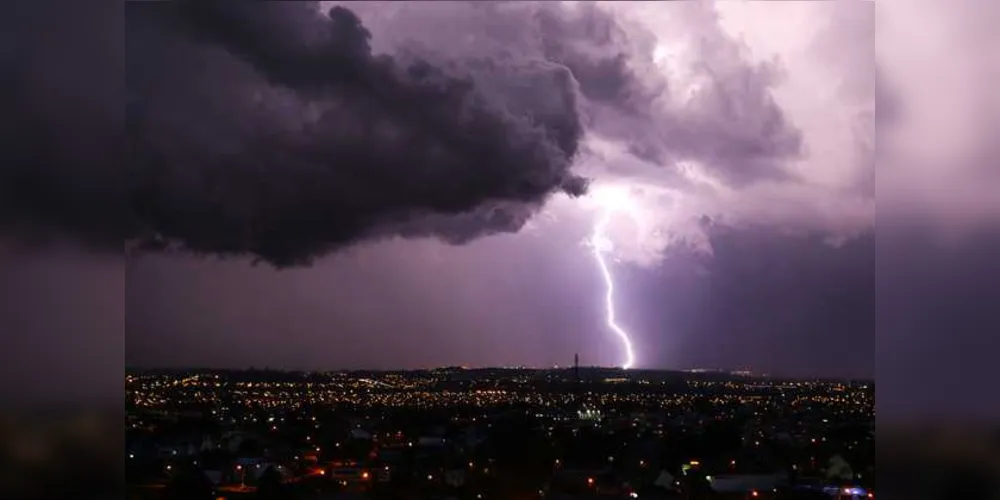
[{"x": 403, "y": 185}]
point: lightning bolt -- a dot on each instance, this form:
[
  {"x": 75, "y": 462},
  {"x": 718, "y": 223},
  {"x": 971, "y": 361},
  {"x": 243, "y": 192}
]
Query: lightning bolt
[{"x": 600, "y": 243}]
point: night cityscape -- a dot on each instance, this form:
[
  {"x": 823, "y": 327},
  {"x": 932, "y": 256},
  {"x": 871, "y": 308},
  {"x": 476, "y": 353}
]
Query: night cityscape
[
  {"x": 351, "y": 193},
  {"x": 497, "y": 433}
]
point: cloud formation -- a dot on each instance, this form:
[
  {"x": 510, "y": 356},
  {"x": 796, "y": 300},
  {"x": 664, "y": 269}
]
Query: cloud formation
[
  {"x": 272, "y": 130},
  {"x": 285, "y": 131},
  {"x": 799, "y": 93},
  {"x": 674, "y": 107},
  {"x": 682, "y": 91}
]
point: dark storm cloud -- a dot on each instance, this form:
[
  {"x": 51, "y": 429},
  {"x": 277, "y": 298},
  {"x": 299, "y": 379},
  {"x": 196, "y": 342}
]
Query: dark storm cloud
[
  {"x": 589, "y": 41},
  {"x": 595, "y": 47},
  {"x": 730, "y": 123},
  {"x": 272, "y": 130}
]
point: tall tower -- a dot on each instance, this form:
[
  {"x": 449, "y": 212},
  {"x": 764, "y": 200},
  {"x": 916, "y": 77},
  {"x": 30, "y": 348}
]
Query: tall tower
[{"x": 576, "y": 368}]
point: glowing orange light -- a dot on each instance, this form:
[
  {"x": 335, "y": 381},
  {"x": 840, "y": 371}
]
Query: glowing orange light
[
  {"x": 590, "y": 480},
  {"x": 754, "y": 493}
]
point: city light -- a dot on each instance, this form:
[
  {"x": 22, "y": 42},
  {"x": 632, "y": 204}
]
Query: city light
[{"x": 292, "y": 401}]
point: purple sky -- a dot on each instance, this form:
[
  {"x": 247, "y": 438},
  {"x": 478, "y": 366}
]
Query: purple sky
[
  {"x": 691, "y": 122},
  {"x": 412, "y": 198}
]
